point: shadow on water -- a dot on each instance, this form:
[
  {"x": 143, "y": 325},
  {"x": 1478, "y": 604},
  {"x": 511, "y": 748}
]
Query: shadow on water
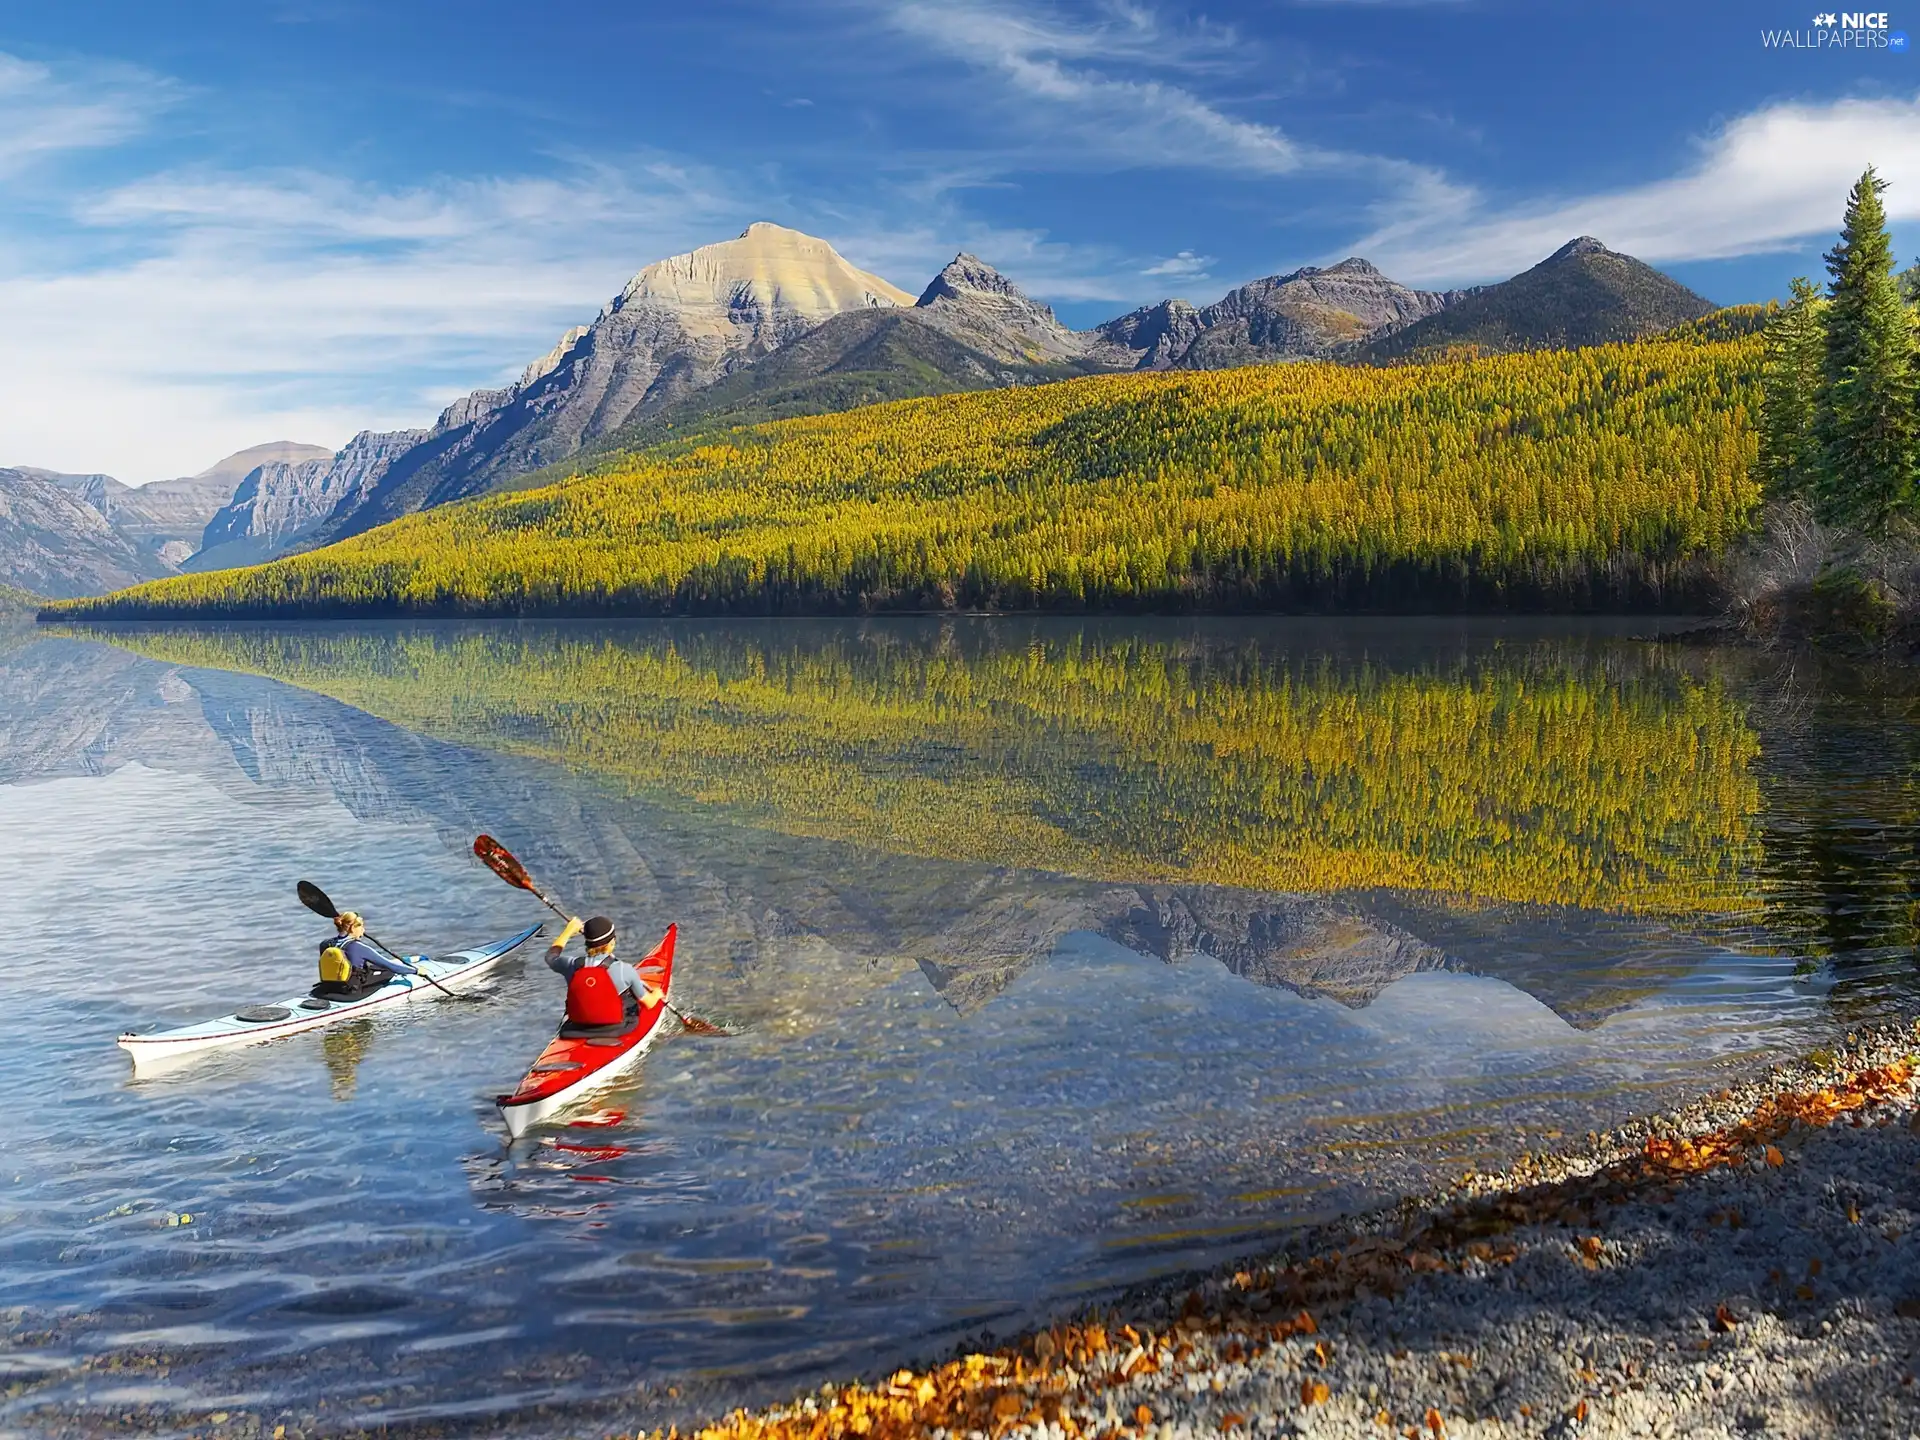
[{"x": 1069, "y": 953}]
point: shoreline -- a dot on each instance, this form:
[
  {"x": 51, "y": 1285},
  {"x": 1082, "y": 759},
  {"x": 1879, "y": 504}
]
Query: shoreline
[{"x": 1747, "y": 1264}]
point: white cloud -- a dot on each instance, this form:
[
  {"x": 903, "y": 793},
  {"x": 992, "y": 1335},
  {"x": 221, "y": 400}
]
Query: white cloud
[
  {"x": 1184, "y": 266},
  {"x": 1765, "y": 183},
  {"x": 44, "y": 113}
]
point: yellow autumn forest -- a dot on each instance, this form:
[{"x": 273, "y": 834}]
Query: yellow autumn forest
[{"x": 1593, "y": 478}]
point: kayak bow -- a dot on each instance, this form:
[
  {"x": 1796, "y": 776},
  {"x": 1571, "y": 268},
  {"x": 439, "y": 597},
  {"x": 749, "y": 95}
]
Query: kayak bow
[
  {"x": 259, "y": 1023},
  {"x": 579, "y": 1062}
]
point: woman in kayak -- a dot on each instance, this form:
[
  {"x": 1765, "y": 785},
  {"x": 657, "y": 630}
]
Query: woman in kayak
[
  {"x": 350, "y": 965},
  {"x": 600, "y": 989}
]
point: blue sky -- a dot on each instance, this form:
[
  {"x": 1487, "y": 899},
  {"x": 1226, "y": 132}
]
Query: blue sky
[{"x": 231, "y": 222}]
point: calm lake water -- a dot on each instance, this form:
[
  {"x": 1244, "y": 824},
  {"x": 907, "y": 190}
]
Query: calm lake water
[{"x": 1066, "y": 954}]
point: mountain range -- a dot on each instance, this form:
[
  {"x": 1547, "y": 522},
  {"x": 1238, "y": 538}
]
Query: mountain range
[{"x": 773, "y": 324}]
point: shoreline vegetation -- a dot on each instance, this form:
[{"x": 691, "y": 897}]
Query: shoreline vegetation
[
  {"x": 1834, "y": 557},
  {"x": 1603, "y": 479},
  {"x": 1747, "y": 1264}
]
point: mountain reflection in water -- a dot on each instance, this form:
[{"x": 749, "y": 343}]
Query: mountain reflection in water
[{"x": 1066, "y": 952}]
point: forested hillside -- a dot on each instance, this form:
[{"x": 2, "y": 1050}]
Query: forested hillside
[{"x": 1603, "y": 477}]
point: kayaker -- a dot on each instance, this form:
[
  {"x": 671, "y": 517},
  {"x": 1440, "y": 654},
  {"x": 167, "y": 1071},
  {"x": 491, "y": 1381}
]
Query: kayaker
[
  {"x": 351, "y": 965},
  {"x": 600, "y": 989}
]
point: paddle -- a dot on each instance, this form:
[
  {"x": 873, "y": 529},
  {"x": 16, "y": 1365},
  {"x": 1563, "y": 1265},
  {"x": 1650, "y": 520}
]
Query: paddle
[
  {"x": 497, "y": 858},
  {"x": 315, "y": 899}
]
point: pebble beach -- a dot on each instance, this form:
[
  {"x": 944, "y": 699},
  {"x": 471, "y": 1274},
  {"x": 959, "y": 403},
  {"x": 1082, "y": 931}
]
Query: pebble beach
[{"x": 1745, "y": 1266}]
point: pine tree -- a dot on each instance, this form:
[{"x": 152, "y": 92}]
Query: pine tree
[
  {"x": 1865, "y": 418},
  {"x": 1791, "y": 381}
]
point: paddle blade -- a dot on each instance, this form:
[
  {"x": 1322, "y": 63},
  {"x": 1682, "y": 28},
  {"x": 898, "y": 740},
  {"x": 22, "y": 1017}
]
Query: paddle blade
[
  {"x": 695, "y": 1025},
  {"x": 315, "y": 899},
  {"x": 497, "y": 858}
]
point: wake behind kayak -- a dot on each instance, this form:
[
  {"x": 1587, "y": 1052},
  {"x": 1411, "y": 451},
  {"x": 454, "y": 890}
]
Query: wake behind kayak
[{"x": 256, "y": 1024}]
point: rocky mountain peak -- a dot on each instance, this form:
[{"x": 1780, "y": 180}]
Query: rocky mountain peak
[
  {"x": 550, "y": 361},
  {"x": 978, "y": 306},
  {"x": 968, "y": 275},
  {"x": 237, "y": 466},
  {"x": 1579, "y": 245},
  {"x": 768, "y": 269}
]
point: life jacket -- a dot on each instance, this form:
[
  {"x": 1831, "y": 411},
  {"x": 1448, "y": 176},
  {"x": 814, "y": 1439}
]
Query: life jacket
[
  {"x": 334, "y": 966},
  {"x": 592, "y": 997}
]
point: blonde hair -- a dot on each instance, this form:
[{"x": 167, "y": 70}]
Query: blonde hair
[{"x": 347, "y": 921}]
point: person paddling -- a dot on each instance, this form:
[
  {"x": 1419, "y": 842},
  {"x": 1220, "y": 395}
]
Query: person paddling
[
  {"x": 601, "y": 990},
  {"x": 351, "y": 965}
]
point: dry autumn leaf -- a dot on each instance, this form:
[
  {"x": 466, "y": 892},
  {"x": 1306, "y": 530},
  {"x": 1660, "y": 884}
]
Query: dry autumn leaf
[
  {"x": 1723, "y": 1318},
  {"x": 1774, "y": 1157},
  {"x": 1232, "y": 1420},
  {"x": 1436, "y": 1423},
  {"x": 1314, "y": 1392},
  {"x": 1143, "y": 1415}
]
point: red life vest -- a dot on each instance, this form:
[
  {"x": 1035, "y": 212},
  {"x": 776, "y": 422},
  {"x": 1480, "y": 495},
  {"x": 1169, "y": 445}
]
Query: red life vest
[{"x": 592, "y": 998}]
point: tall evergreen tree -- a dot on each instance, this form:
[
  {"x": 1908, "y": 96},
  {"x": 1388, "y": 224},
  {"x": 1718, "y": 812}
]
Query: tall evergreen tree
[
  {"x": 1865, "y": 420},
  {"x": 1791, "y": 382}
]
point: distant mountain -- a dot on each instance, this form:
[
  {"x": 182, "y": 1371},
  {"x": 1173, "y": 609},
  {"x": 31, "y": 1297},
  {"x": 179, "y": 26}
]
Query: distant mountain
[
  {"x": 278, "y": 503},
  {"x": 54, "y": 544},
  {"x": 679, "y": 325},
  {"x": 1308, "y": 314},
  {"x": 170, "y": 517},
  {"x": 1582, "y": 294},
  {"x": 971, "y": 329}
]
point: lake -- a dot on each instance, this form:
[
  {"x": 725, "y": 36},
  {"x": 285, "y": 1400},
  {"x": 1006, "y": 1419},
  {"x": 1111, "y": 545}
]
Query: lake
[{"x": 1063, "y": 953}]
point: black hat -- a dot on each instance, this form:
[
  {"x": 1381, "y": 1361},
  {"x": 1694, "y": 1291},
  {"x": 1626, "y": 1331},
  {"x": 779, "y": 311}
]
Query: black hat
[{"x": 598, "y": 930}]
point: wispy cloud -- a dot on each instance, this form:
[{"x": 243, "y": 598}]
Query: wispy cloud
[
  {"x": 209, "y": 309},
  {"x": 1101, "y": 78},
  {"x": 44, "y": 112},
  {"x": 1764, "y": 183}
]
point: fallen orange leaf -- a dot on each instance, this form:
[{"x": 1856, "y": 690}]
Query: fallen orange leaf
[
  {"x": 1314, "y": 1392},
  {"x": 1143, "y": 1415},
  {"x": 1774, "y": 1157}
]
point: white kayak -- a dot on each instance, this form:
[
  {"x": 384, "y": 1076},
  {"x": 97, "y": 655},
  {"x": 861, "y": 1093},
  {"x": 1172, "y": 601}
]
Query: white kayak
[{"x": 461, "y": 970}]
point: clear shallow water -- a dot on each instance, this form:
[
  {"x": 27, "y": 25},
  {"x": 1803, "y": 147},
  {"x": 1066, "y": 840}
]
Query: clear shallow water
[{"x": 1029, "y": 1011}]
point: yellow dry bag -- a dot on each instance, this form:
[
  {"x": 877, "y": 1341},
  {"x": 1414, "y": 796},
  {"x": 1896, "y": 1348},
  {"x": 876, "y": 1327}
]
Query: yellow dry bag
[{"x": 334, "y": 966}]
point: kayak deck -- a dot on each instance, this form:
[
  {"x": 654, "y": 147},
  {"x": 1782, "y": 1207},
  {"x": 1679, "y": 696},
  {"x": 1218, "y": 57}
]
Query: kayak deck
[
  {"x": 573, "y": 1067},
  {"x": 253, "y": 1025}
]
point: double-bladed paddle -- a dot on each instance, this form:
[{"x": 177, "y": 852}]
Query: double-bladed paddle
[
  {"x": 315, "y": 899},
  {"x": 497, "y": 858}
]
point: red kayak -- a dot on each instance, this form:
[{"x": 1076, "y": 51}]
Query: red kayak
[{"x": 583, "y": 1059}]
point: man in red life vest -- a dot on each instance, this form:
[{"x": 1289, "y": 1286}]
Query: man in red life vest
[{"x": 600, "y": 989}]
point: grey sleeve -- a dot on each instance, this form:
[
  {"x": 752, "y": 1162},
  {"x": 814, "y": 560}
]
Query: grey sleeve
[{"x": 559, "y": 962}]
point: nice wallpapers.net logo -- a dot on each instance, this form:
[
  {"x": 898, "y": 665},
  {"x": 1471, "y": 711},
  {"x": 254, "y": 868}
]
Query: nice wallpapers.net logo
[{"x": 1840, "y": 31}]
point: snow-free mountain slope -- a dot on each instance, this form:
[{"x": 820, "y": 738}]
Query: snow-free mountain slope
[
  {"x": 1308, "y": 314},
  {"x": 279, "y": 502},
  {"x": 54, "y": 544},
  {"x": 677, "y": 326},
  {"x": 971, "y": 329},
  {"x": 1582, "y": 294}
]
